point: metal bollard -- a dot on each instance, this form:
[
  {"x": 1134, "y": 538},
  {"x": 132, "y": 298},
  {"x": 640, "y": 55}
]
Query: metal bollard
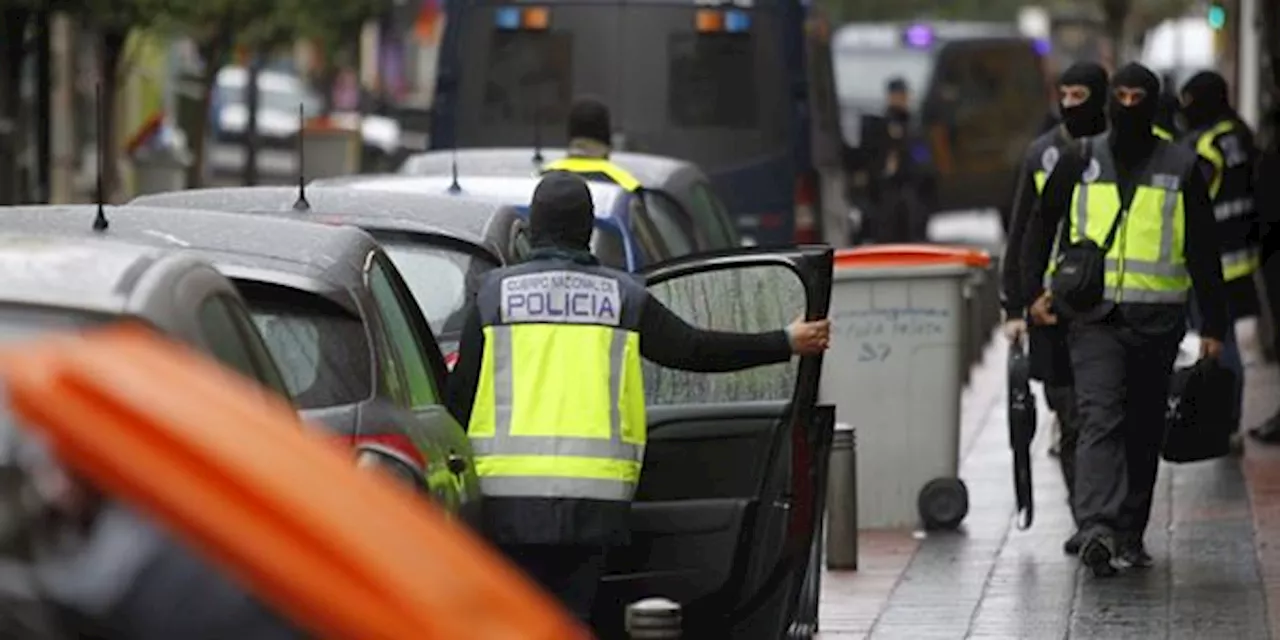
[
  {"x": 653, "y": 619},
  {"x": 842, "y": 500}
]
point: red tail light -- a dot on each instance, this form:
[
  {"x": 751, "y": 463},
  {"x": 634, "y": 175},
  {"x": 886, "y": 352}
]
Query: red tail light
[
  {"x": 806, "y": 215},
  {"x": 397, "y": 442}
]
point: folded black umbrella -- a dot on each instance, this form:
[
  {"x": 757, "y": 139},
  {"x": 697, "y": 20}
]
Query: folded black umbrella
[{"x": 1022, "y": 429}]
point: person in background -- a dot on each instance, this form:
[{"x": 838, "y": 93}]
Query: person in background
[
  {"x": 533, "y": 370},
  {"x": 900, "y": 209},
  {"x": 1083, "y": 97},
  {"x": 1227, "y": 158},
  {"x": 590, "y": 143},
  {"x": 1267, "y": 200},
  {"x": 1123, "y": 347}
]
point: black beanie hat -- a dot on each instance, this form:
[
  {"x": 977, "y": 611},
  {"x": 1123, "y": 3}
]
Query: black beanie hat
[
  {"x": 561, "y": 213},
  {"x": 589, "y": 118}
]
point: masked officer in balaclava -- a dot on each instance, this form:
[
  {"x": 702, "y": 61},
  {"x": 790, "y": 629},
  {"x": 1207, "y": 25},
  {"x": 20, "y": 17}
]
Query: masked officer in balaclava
[
  {"x": 1139, "y": 236},
  {"x": 1082, "y": 93},
  {"x": 1227, "y": 158},
  {"x": 531, "y": 364}
]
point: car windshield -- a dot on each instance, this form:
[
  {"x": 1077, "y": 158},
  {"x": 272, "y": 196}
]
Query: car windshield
[
  {"x": 19, "y": 323},
  {"x": 321, "y": 349},
  {"x": 862, "y": 74},
  {"x": 441, "y": 279}
]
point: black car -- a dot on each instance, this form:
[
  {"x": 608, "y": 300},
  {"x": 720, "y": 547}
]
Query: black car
[
  {"x": 734, "y": 476},
  {"x": 337, "y": 318},
  {"x": 442, "y": 245}
]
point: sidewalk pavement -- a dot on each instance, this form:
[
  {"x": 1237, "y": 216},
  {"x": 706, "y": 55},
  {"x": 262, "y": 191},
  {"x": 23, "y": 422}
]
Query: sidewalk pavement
[{"x": 991, "y": 581}]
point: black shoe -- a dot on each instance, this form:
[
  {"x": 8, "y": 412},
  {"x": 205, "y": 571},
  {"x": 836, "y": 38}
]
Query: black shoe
[
  {"x": 1072, "y": 546},
  {"x": 1133, "y": 555},
  {"x": 1269, "y": 431},
  {"x": 1097, "y": 553}
]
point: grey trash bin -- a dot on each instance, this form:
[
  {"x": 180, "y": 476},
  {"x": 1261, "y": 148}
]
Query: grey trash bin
[
  {"x": 160, "y": 170},
  {"x": 896, "y": 368}
]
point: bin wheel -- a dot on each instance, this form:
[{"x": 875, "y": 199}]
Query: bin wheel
[{"x": 943, "y": 503}]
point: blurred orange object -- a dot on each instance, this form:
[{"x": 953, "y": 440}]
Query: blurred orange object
[{"x": 345, "y": 553}]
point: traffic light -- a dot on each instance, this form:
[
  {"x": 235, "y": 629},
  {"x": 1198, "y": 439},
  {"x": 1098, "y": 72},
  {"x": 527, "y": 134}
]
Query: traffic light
[{"x": 1217, "y": 16}]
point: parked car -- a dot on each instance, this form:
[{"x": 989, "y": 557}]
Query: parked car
[
  {"x": 335, "y": 314},
  {"x": 279, "y": 96},
  {"x": 626, "y": 236},
  {"x": 674, "y": 188},
  {"x": 732, "y": 491},
  {"x": 441, "y": 245}
]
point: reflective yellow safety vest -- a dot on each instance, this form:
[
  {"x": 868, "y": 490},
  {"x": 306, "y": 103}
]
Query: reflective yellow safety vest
[
  {"x": 1145, "y": 263},
  {"x": 1233, "y": 206},
  {"x": 1162, "y": 133},
  {"x": 559, "y": 408},
  {"x": 595, "y": 169}
]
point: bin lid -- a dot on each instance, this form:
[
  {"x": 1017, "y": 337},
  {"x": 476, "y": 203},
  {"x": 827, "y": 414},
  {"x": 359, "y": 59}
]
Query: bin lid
[{"x": 909, "y": 255}]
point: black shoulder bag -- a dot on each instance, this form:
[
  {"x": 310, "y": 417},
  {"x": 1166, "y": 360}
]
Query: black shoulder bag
[{"x": 1078, "y": 283}]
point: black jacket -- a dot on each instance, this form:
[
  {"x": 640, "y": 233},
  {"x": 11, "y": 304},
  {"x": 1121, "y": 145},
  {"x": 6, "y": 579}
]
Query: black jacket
[
  {"x": 1201, "y": 252},
  {"x": 665, "y": 339}
]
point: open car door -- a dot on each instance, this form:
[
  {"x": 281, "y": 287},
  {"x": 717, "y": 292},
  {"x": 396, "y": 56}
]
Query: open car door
[{"x": 728, "y": 501}]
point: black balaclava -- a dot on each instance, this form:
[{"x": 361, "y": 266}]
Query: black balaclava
[
  {"x": 1088, "y": 118},
  {"x": 1131, "y": 136},
  {"x": 1209, "y": 103},
  {"x": 561, "y": 215},
  {"x": 896, "y": 113},
  {"x": 589, "y": 118}
]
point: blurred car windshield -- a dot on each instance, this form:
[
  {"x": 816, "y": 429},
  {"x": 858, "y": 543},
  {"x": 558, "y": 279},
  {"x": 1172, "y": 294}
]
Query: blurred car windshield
[
  {"x": 442, "y": 280},
  {"x": 321, "y": 349}
]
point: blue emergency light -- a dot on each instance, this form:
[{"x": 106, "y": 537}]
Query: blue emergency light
[
  {"x": 1042, "y": 46},
  {"x": 918, "y": 36},
  {"x": 737, "y": 21},
  {"x": 507, "y": 18}
]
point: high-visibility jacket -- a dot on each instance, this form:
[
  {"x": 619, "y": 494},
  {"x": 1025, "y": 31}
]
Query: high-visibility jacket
[
  {"x": 1146, "y": 263},
  {"x": 559, "y": 409},
  {"x": 595, "y": 169},
  {"x": 1162, "y": 133},
  {"x": 1231, "y": 187}
]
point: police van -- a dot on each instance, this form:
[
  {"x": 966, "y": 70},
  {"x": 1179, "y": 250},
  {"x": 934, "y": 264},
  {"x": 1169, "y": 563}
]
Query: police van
[
  {"x": 742, "y": 89},
  {"x": 978, "y": 96}
]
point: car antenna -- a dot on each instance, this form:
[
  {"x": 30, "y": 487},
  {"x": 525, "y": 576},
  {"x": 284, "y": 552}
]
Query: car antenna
[
  {"x": 537, "y": 138},
  {"x": 100, "y": 222},
  {"x": 454, "y": 187},
  {"x": 301, "y": 203}
]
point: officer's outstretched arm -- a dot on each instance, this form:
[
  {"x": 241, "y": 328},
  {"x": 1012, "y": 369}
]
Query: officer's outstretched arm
[{"x": 666, "y": 339}]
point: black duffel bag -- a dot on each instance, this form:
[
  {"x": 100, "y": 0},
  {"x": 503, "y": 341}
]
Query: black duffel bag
[{"x": 1197, "y": 423}]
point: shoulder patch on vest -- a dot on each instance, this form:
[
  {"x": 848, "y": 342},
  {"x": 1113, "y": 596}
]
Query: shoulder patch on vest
[
  {"x": 1049, "y": 159},
  {"x": 561, "y": 297},
  {"x": 1093, "y": 171}
]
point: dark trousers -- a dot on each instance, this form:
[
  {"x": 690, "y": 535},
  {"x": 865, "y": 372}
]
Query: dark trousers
[
  {"x": 1122, "y": 387},
  {"x": 1062, "y": 400},
  {"x": 569, "y": 572}
]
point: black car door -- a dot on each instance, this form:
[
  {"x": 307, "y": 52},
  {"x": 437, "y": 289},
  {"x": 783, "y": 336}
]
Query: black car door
[{"x": 728, "y": 501}]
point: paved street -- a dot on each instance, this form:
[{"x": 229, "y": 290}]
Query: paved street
[{"x": 991, "y": 581}]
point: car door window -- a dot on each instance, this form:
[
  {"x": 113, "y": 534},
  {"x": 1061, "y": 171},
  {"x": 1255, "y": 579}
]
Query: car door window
[
  {"x": 407, "y": 348},
  {"x": 642, "y": 230},
  {"x": 521, "y": 246},
  {"x": 671, "y": 223},
  {"x": 752, "y": 299},
  {"x": 271, "y": 376},
  {"x": 226, "y": 343},
  {"x": 709, "y": 211},
  {"x": 606, "y": 244}
]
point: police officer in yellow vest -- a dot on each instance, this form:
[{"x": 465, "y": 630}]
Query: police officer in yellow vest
[
  {"x": 590, "y": 135},
  {"x": 1227, "y": 158},
  {"x": 1082, "y": 103},
  {"x": 549, "y": 382},
  {"x": 1141, "y": 203}
]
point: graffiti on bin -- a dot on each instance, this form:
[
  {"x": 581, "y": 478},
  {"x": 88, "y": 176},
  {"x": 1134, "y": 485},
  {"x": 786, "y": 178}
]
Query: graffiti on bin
[{"x": 875, "y": 330}]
